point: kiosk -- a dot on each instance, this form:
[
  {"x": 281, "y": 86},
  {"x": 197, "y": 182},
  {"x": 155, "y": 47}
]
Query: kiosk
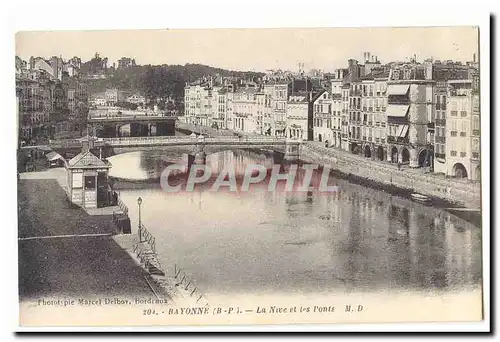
[{"x": 87, "y": 179}]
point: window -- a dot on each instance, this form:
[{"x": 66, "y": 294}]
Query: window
[
  {"x": 453, "y": 133},
  {"x": 463, "y": 154},
  {"x": 463, "y": 113},
  {"x": 463, "y": 134},
  {"x": 453, "y": 153},
  {"x": 475, "y": 144},
  {"x": 475, "y": 122},
  {"x": 90, "y": 182},
  {"x": 453, "y": 113}
]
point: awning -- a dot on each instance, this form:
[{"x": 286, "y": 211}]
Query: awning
[
  {"x": 405, "y": 131},
  {"x": 397, "y": 110},
  {"x": 51, "y": 156},
  {"x": 402, "y": 130},
  {"x": 398, "y": 89}
]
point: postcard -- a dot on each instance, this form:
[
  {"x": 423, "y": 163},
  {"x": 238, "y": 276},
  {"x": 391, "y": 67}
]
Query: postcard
[{"x": 193, "y": 177}]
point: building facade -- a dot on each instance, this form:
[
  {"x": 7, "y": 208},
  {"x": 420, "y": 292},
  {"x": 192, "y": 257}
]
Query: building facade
[{"x": 462, "y": 153}]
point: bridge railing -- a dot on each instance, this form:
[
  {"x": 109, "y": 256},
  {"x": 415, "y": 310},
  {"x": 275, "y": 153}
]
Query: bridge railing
[{"x": 171, "y": 139}]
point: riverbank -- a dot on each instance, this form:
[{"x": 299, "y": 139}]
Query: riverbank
[
  {"x": 458, "y": 192},
  {"x": 66, "y": 252}
]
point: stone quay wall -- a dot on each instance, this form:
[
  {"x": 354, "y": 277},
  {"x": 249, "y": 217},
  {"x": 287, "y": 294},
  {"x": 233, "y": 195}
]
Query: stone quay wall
[{"x": 460, "y": 191}]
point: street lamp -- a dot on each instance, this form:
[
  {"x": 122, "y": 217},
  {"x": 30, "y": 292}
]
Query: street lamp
[{"x": 139, "y": 202}]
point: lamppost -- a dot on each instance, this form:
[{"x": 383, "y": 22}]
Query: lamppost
[{"x": 139, "y": 202}]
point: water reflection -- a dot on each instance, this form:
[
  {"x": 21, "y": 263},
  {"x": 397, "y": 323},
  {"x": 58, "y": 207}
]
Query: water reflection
[{"x": 358, "y": 239}]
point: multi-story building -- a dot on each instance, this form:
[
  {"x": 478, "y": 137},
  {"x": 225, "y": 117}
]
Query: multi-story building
[
  {"x": 379, "y": 148},
  {"x": 345, "y": 132},
  {"x": 355, "y": 117},
  {"x": 367, "y": 114},
  {"x": 278, "y": 103},
  {"x": 409, "y": 114},
  {"x": 462, "y": 152},
  {"x": 322, "y": 118},
  {"x": 440, "y": 105},
  {"x": 260, "y": 99},
  {"x": 268, "y": 119},
  {"x": 219, "y": 107},
  {"x": 299, "y": 116},
  {"x": 229, "y": 106},
  {"x": 244, "y": 110},
  {"x": 337, "y": 106}
]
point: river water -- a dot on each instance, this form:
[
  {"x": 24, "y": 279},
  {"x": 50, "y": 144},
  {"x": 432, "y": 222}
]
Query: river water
[{"x": 356, "y": 240}]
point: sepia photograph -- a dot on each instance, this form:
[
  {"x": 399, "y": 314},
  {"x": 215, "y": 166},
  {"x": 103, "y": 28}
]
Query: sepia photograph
[{"x": 249, "y": 176}]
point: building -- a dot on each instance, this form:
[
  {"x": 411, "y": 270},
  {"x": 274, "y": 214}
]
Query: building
[
  {"x": 35, "y": 105},
  {"x": 322, "y": 118},
  {"x": 440, "y": 108},
  {"x": 462, "y": 152},
  {"x": 245, "y": 109},
  {"x": 337, "y": 106},
  {"x": 126, "y": 62},
  {"x": 98, "y": 100},
  {"x": 299, "y": 114},
  {"x": 279, "y": 97},
  {"x": 409, "y": 114},
  {"x": 136, "y": 99},
  {"x": 76, "y": 96},
  {"x": 219, "y": 107},
  {"x": 114, "y": 96}
]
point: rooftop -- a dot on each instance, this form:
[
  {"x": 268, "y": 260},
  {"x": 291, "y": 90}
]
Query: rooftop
[{"x": 86, "y": 159}]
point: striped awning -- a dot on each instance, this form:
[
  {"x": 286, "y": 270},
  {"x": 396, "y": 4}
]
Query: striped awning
[
  {"x": 397, "y": 110},
  {"x": 402, "y": 131},
  {"x": 398, "y": 89}
]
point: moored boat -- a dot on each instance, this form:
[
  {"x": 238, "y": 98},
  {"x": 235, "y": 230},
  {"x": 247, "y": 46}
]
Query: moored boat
[{"x": 420, "y": 198}]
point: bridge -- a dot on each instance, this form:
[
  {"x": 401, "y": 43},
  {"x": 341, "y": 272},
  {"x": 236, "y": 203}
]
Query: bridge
[
  {"x": 197, "y": 146},
  {"x": 134, "y": 125}
]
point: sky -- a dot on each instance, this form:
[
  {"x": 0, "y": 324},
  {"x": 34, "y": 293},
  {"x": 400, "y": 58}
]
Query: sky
[{"x": 255, "y": 49}]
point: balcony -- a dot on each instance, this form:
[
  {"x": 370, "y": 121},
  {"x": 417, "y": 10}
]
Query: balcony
[
  {"x": 364, "y": 137},
  {"x": 370, "y": 123},
  {"x": 382, "y": 141},
  {"x": 475, "y": 155},
  {"x": 377, "y": 140},
  {"x": 401, "y": 140},
  {"x": 475, "y": 132}
]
